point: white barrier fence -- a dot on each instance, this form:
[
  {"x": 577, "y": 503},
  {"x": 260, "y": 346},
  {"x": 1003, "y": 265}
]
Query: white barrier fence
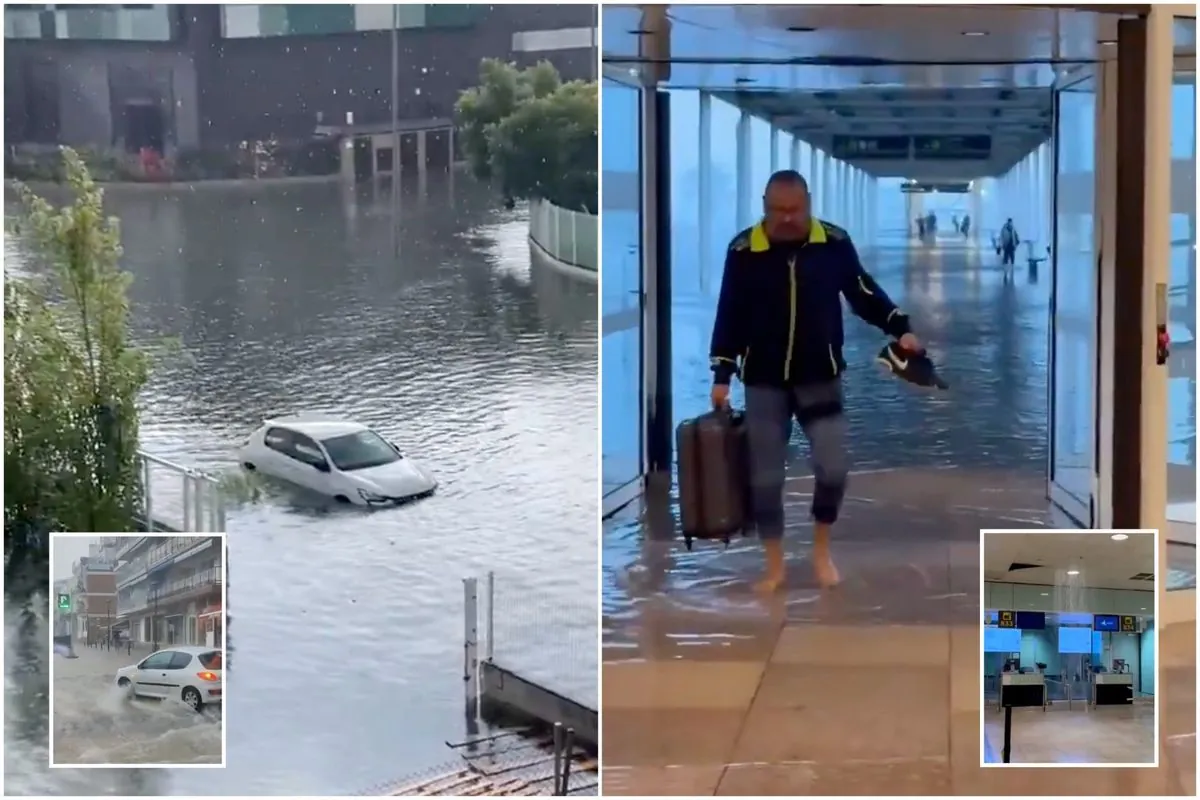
[{"x": 569, "y": 236}]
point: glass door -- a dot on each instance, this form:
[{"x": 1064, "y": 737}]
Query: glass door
[
  {"x": 622, "y": 312},
  {"x": 1074, "y": 303}
]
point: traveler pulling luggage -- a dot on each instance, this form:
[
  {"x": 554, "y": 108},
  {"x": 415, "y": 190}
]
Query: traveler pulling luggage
[{"x": 713, "y": 490}]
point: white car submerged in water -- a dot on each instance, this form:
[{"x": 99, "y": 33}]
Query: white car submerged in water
[
  {"x": 189, "y": 674},
  {"x": 335, "y": 457}
]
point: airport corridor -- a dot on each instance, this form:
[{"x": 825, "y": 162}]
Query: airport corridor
[{"x": 873, "y": 687}]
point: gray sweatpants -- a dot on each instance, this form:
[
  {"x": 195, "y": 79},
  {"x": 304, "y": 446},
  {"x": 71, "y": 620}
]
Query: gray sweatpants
[{"x": 769, "y": 414}]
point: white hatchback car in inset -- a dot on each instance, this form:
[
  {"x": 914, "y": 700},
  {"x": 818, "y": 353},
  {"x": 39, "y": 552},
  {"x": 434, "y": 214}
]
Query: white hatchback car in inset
[
  {"x": 337, "y": 458},
  {"x": 189, "y": 674}
]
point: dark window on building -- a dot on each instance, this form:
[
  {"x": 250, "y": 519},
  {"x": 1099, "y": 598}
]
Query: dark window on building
[
  {"x": 318, "y": 19},
  {"x": 452, "y": 15}
]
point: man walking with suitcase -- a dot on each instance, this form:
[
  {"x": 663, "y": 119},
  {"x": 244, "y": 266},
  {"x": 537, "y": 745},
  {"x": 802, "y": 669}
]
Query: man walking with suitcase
[{"x": 779, "y": 328}]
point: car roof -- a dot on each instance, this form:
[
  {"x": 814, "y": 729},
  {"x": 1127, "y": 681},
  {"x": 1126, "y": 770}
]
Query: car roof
[
  {"x": 317, "y": 426},
  {"x": 190, "y": 649}
]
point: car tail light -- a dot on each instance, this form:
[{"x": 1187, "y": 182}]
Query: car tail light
[{"x": 208, "y": 676}]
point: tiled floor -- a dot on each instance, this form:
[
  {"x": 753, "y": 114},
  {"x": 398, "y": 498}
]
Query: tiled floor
[
  {"x": 872, "y": 688},
  {"x": 1057, "y": 735}
]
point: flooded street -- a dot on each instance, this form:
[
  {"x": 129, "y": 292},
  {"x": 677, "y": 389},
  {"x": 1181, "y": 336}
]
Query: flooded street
[
  {"x": 95, "y": 722},
  {"x": 346, "y": 642}
]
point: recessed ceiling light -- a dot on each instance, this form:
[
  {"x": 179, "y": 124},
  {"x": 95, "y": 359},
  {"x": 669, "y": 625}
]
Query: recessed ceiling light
[
  {"x": 975, "y": 33},
  {"x": 1120, "y": 537},
  {"x": 1143, "y": 609},
  {"x": 1072, "y": 572},
  {"x": 1107, "y": 42},
  {"x": 1045, "y": 594}
]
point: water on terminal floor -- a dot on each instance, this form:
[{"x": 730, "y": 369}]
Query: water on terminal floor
[
  {"x": 873, "y": 687},
  {"x": 348, "y": 626}
]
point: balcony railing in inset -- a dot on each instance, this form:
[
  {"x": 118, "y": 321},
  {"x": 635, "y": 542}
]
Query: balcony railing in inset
[{"x": 204, "y": 579}]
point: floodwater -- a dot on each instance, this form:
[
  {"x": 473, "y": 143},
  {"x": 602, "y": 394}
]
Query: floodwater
[
  {"x": 347, "y": 637},
  {"x": 96, "y": 722}
]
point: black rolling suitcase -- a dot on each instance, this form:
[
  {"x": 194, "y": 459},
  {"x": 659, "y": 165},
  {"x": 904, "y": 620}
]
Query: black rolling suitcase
[{"x": 713, "y": 477}]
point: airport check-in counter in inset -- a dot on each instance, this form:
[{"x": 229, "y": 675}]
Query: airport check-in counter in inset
[
  {"x": 1112, "y": 689},
  {"x": 1022, "y": 689}
]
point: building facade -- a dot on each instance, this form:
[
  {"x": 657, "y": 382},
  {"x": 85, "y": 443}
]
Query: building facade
[
  {"x": 209, "y": 76},
  {"x": 169, "y": 590},
  {"x": 93, "y": 595}
]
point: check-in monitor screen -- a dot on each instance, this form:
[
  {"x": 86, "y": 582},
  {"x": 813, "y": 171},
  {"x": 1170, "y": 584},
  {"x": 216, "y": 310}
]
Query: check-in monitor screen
[
  {"x": 1001, "y": 640},
  {"x": 1075, "y": 640},
  {"x": 1106, "y": 622}
]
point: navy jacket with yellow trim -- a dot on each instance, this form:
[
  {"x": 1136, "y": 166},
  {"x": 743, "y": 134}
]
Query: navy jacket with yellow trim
[{"x": 779, "y": 316}]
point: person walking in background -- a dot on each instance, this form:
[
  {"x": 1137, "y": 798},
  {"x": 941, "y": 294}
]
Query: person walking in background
[
  {"x": 1008, "y": 243},
  {"x": 779, "y": 328},
  {"x": 966, "y": 225}
]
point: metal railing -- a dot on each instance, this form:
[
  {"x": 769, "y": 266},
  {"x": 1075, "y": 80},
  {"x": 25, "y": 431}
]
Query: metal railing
[
  {"x": 179, "y": 498},
  {"x": 208, "y": 577},
  {"x": 569, "y": 236},
  {"x": 550, "y": 640}
]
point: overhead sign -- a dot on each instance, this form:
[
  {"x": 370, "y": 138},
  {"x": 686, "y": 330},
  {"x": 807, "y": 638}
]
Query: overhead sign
[
  {"x": 863, "y": 147},
  {"x": 952, "y": 148},
  {"x": 935, "y": 188},
  {"x": 1128, "y": 624},
  {"x": 1006, "y": 619}
]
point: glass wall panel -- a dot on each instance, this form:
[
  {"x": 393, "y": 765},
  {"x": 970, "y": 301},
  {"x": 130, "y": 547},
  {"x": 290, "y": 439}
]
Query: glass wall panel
[
  {"x": 722, "y": 182},
  {"x": 760, "y": 165},
  {"x": 143, "y": 23},
  {"x": 783, "y": 150},
  {"x": 1073, "y": 358},
  {"x": 693, "y": 295},
  {"x": 621, "y": 293},
  {"x": 1181, "y": 369},
  {"x": 255, "y": 20}
]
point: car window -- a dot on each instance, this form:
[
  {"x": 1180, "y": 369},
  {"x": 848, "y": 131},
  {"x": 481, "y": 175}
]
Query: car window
[
  {"x": 180, "y": 660},
  {"x": 211, "y": 660},
  {"x": 157, "y": 661},
  {"x": 279, "y": 439},
  {"x": 359, "y": 451},
  {"x": 306, "y": 450}
]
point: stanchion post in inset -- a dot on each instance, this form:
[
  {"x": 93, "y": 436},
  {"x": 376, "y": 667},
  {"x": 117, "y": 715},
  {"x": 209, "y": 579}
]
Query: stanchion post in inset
[
  {"x": 1006, "y": 753},
  {"x": 490, "y": 647},
  {"x": 471, "y": 639}
]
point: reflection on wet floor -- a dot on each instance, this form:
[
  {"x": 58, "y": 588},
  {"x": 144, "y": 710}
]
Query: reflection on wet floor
[
  {"x": 1057, "y": 735},
  {"x": 872, "y": 688}
]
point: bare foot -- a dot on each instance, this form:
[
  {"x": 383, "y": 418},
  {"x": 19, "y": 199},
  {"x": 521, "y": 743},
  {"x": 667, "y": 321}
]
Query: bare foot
[
  {"x": 770, "y": 584},
  {"x": 827, "y": 574}
]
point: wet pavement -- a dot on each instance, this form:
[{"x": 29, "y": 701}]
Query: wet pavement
[
  {"x": 346, "y": 643},
  {"x": 872, "y": 688},
  {"x": 95, "y": 722}
]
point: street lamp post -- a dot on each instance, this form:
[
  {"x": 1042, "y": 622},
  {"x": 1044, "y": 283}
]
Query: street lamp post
[
  {"x": 108, "y": 621},
  {"x": 395, "y": 130}
]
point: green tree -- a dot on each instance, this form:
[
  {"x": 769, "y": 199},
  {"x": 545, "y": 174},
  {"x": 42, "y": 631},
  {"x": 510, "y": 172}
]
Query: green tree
[
  {"x": 548, "y": 148},
  {"x": 71, "y": 379},
  {"x": 502, "y": 89}
]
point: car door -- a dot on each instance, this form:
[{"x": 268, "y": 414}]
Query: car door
[
  {"x": 151, "y": 677},
  {"x": 279, "y": 455},
  {"x": 314, "y": 467},
  {"x": 177, "y": 674}
]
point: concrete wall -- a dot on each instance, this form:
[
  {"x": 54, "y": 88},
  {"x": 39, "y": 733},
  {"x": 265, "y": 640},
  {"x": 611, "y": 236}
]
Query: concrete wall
[{"x": 228, "y": 90}]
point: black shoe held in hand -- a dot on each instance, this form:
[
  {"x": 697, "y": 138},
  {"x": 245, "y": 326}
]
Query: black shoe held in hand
[{"x": 916, "y": 368}]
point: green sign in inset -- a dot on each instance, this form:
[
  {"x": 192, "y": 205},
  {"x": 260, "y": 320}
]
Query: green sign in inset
[{"x": 64, "y": 602}]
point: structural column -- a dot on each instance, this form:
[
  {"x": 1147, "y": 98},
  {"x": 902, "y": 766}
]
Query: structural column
[
  {"x": 813, "y": 177},
  {"x": 705, "y": 189},
  {"x": 743, "y": 171}
]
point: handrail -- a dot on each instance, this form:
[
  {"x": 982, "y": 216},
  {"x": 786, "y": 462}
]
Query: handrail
[{"x": 203, "y": 504}]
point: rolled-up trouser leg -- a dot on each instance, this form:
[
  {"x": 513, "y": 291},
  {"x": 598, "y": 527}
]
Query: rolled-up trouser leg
[
  {"x": 819, "y": 411},
  {"x": 768, "y": 426}
]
